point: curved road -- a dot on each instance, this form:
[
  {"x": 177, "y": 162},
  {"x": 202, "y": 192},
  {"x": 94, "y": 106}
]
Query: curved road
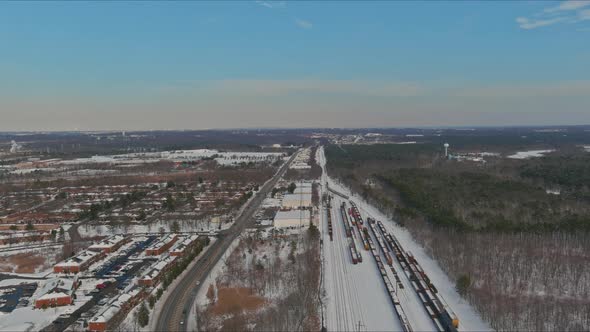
[{"x": 176, "y": 308}]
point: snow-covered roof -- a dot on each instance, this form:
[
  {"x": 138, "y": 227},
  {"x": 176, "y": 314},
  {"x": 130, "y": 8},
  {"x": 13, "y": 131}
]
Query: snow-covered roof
[
  {"x": 55, "y": 287},
  {"x": 53, "y": 295},
  {"x": 79, "y": 259},
  {"x": 113, "y": 309},
  {"x": 179, "y": 246},
  {"x": 162, "y": 242},
  {"x": 292, "y": 214},
  {"x": 107, "y": 243},
  {"x": 157, "y": 268},
  {"x": 296, "y": 199}
]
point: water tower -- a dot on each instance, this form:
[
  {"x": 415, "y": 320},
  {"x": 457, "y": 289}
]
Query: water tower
[{"x": 446, "y": 145}]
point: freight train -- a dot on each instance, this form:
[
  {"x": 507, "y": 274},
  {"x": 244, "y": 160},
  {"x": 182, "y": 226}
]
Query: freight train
[{"x": 442, "y": 315}]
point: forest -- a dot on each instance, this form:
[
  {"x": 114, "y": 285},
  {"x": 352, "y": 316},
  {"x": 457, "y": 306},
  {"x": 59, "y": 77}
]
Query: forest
[{"x": 513, "y": 233}]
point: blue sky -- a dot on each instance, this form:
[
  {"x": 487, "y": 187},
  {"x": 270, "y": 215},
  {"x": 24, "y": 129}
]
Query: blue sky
[{"x": 182, "y": 65}]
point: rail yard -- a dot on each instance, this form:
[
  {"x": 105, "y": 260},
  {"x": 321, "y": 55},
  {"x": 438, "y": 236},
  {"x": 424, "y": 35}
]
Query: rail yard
[{"x": 374, "y": 283}]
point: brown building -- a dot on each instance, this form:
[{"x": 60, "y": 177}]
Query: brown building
[
  {"x": 56, "y": 292},
  {"x": 161, "y": 246},
  {"x": 109, "y": 245},
  {"x": 78, "y": 263}
]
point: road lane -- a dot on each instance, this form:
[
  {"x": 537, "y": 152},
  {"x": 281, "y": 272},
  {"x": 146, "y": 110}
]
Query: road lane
[{"x": 176, "y": 309}]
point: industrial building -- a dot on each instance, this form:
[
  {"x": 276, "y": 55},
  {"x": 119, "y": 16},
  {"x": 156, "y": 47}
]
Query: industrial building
[
  {"x": 296, "y": 201},
  {"x": 303, "y": 188},
  {"x": 292, "y": 219}
]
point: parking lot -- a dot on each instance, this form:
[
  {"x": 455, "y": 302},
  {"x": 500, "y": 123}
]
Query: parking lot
[{"x": 12, "y": 296}]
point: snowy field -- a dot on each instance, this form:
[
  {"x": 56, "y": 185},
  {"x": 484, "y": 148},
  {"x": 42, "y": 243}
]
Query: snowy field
[
  {"x": 224, "y": 158},
  {"x": 375, "y": 311},
  {"x": 91, "y": 230},
  {"x": 529, "y": 154}
]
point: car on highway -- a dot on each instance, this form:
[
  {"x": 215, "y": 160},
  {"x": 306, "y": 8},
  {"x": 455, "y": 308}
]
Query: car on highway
[{"x": 82, "y": 322}]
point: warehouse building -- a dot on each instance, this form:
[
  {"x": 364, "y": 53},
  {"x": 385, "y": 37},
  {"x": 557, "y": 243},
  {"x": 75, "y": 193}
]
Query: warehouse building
[
  {"x": 292, "y": 219},
  {"x": 296, "y": 201}
]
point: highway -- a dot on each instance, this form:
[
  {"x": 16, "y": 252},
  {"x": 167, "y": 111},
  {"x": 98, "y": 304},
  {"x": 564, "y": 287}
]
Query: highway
[{"x": 176, "y": 309}]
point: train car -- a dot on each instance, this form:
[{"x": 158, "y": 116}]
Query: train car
[
  {"x": 353, "y": 255},
  {"x": 366, "y": 241},
  {"x": 433, "y": 288},
  {"x": 430, "y": 312},
  {"x": 438, "y": 325},
  {"x": 429, "y": 295},
  {"x": 447, "y": 313},
  {"x": 423, "y": 298},
  {"x": 388, "y": 259},
  {"x": 415, "y": 285},
  {"x": 360, "y": 220}
]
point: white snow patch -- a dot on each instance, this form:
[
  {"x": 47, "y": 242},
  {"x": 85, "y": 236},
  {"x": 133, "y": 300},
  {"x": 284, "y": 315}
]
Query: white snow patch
[{"x": 529, "y": 154}]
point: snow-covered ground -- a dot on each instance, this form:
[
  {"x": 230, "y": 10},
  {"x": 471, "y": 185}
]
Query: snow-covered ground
[
  {"x": 224, "y": 158},
  {"x": 356, "y": 295},
  {"x": 366, "y": 300},
  {"x": 91, "y": 230},
  {"x": 30, "y": 319},
  {"x": 529, "y": 154}
]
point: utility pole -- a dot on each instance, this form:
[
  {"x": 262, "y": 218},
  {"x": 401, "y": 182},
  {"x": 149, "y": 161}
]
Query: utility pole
[{"x": 359, "y": 326}]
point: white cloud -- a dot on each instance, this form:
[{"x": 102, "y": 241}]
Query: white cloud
[
  {"x": 570, "y": 11},
  {"x": 272, "y": 4},
  {"x": 528, "y": 24},
  {"x": 303, "y": 23},
  {"x": 568, "y": 5}
]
